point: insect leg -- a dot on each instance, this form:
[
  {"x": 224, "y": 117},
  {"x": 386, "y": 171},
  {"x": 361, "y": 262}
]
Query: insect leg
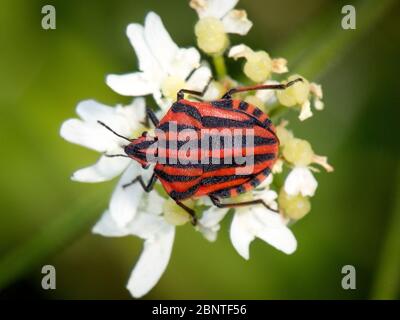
[
  {"x": 217, "y": 202},
  {"x": 139, "y": 179},
  {"x": 116, "y": 155},
  {"x": 188, "y": 210},
  {"x": 150, "y": 116},
  {"x": 282, "y": 86},
  {"x": 181, "y": 92}
]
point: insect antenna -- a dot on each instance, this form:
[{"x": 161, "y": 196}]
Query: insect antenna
[{"x": 108, "y": 128}]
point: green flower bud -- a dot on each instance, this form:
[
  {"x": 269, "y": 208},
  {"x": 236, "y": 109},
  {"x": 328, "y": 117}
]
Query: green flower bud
[
  {"x": 298, "y": 152},
  {"x": 294, "y": 207},
  {"x": 211, "y": 35}
]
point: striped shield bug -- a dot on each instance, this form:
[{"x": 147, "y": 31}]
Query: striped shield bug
[{"x": 243, "y": 148}]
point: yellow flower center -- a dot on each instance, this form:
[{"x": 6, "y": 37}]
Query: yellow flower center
[{"x": 211, "y": 35}]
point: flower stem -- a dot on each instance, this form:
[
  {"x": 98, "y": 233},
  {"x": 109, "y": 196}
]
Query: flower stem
[
  {"x": 387, "y": 279},
  {"x": 220, "y": 67}
]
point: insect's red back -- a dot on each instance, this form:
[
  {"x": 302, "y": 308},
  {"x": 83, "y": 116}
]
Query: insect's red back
[{"x": 226, "y": 117}]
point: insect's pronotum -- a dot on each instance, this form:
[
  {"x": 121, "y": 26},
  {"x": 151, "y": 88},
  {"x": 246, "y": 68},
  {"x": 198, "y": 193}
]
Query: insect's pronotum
[{"x": 216, "y": 180}]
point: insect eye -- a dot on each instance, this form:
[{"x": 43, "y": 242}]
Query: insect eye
[{"x": 144, "y": 134}]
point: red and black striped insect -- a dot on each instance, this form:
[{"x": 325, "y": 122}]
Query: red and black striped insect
[{"x": 215, "y": 179}]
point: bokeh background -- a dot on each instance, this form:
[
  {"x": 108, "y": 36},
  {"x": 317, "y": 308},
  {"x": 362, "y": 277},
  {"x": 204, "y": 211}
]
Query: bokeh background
[{"x": 46, "y": 218}]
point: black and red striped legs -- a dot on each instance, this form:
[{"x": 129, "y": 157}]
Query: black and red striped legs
[
  {"x": 282, "y": 86},
  {"x": 217, "y": 202},
  {"x": 147, "y": 187}
]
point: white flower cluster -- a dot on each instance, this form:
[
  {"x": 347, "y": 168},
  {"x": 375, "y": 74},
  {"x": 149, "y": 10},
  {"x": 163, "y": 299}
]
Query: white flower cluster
[{"x": 164, "y": 68}]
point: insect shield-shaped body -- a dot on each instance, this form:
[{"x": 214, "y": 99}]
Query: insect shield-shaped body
[{"x": 218, "y": 149}]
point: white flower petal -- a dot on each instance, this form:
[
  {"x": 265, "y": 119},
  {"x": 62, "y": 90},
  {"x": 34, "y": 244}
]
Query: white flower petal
[
  {"x": 240, "y": 234},
  {"x": 107, "y": 227},
  {"x": 89, "y": 135},
  {"x": 184, "y": 62},
  {"x": 133, "y": 115},
  {"x": 300, "y": 180},
  {"x": 239, "y": 51},
  {"x": 236, "y": 22},
  {"x": 213, "y": 8},
  {"x": 273, "y": 230},
  {"x": 305, "y": 111},
  {"x": 147, "y": 62},
  {"x": 199, "y": 79},
  {"x": 125, "y": 201},
  {"x": 103, "y": 170},
  {"x": 159, "y": 41},
  {"x": 267, "y": 96},
  {"x": 130, "y": 84},
  {"x": 91, "y": 110},
  {"x": 209, "y": 222},
  {"x": 212, "y": 93},
  {"x": 152, "y": 263}
]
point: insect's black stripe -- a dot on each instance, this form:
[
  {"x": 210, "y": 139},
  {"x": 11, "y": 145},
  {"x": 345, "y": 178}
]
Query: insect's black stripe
[
  {"x": 144, "y": 144},
  {"x": 267, "y": 123},
  {"x": 139, "y": 155},
  {"x": 255, "y": 182},
  {"x": 257, "y": 140},
  {"x": 243, "y": 105},
  {"x": 221, "y": 179},
  {"x": 176, "y": 195},
  {"x": 174, "y": 178},
  {"x": 217, "y": 122},
  {"x": 257, "y": 112},
  {"x": 223, "y": 103},
  {"x": 186, "y": 109},
  {"x": 224, "y": 193},
  {"x": 240, "y": 189},
  {"x": 258, "y": 158},
  {"x": 166, "y": 126},
  {"x": 266, "y": 172}
]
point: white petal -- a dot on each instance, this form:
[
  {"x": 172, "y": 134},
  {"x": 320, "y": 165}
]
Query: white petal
[
  {"x": 209, "y": 223},
  {"x": 300, "y": 180},
  {"x": 89, "y": 135},
  {"x": 236, "y": 22},
  {"x": 107, "y": 227},
  {"x": 240, "y": 51},
  {"x": 125, "y": 201},
  {"x": 270, "y": 227},
  {"x": 159, "y": 41},
  {"x": 91, "y": 110},
  {"x": 267, "y": 96},
  {"x": 199, "y": 79},
  {"x": 184, "y": 62},
  {"x": 212, "y": 93},
  {"x": 305, "y": 111},
  {"x": 147, "y": 62},
  {"x": 133, "y": 115},
  {"x": 240, "y": 234},
  {"x": 213, "y": 8},
  {"x": 131, "y": 84},
  {"x": 103, "y": 170},
  {"x": 152, "y": 263}
]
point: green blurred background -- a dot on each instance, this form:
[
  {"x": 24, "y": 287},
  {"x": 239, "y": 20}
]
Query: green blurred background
[{"x": 46, "y": 219}]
